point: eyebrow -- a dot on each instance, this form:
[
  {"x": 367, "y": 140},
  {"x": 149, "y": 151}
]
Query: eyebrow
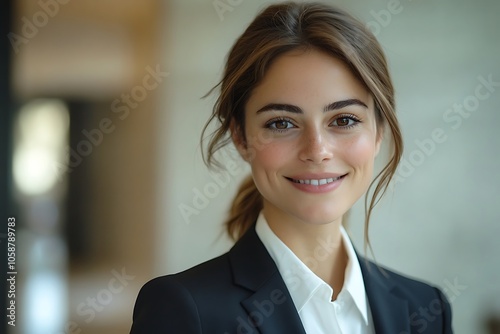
[{"x": 297, "y": 110}]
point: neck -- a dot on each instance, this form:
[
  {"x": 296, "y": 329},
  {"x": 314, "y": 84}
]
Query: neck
[{"x": 319, "y": 247}]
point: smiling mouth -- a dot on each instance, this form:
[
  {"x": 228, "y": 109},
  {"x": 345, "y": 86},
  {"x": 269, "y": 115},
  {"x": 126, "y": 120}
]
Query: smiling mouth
[{"x": 317, "y": 182}]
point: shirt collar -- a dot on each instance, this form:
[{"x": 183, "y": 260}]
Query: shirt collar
[{"x": 301, "y": 282}]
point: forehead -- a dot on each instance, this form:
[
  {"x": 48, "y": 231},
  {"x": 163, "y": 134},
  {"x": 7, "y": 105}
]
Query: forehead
[{"x": 306, "y": 76}]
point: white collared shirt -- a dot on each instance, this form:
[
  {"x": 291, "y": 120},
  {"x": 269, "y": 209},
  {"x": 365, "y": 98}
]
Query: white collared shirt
[{"x": 349, "y": 313}]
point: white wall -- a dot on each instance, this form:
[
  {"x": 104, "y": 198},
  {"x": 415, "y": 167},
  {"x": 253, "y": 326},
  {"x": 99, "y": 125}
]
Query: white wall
[{"x": 441, "y": 223}]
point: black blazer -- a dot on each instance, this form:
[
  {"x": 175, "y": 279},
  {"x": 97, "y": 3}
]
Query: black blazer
[{"x": 242, "y": 292}]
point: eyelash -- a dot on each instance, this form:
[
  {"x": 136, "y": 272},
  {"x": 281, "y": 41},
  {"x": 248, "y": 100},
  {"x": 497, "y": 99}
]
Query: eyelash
[
  {"x": 348, "y": 116},
  {"x": 269, "y": 125},
  {"x": 272, "y": 123}
]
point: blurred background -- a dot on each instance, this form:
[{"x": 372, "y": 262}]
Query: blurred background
[{"x": 101, "y": 114}]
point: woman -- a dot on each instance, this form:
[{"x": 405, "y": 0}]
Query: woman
[{"x": 306, "y": 98}]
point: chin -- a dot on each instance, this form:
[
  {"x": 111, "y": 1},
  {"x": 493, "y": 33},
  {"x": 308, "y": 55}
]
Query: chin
[{"x": 319, "y": 217}]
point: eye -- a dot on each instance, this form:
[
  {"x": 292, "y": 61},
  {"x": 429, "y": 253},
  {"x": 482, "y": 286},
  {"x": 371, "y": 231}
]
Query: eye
[
  {"x": 346, "y": 121},
  {"x": 279, "y": 124}
]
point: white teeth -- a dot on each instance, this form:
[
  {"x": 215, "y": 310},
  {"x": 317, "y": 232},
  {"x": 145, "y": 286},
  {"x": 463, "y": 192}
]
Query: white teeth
[{"x": 318, "y": 182}]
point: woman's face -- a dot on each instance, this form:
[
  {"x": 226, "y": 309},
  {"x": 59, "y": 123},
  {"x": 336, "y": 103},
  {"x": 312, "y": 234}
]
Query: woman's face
[{"x": 311, "y": 138}]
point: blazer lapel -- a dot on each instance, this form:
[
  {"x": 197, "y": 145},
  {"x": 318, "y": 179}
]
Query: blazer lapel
[
  {"x": 390, "y": 313},
  {"x": 270, "y": 308}
]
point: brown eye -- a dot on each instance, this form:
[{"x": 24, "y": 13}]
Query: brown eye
[
  {"x": 281, "y": 125},
  {"x": 343, "y": 121}
]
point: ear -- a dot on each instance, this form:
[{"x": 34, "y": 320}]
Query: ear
[
  {"x": 379, "y": 139},
  {"x": 238, "y": 137}
]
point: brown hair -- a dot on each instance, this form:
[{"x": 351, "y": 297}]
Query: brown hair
[{"x": 276, "y": 30}]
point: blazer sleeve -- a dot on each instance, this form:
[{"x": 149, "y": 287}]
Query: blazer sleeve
[
  {"x": 164, "y": 305},
  {"x": 446, "y": 315}
]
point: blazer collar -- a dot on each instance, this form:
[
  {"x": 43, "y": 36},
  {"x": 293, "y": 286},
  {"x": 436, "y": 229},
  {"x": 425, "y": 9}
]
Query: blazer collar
[
  {"x": 389, "y": 312},
  {"x": 270, "y": 307}
]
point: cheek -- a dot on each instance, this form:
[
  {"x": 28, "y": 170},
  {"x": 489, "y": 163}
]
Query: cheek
[
  {"x": 267, "y": 157},
  {"x": 264, "y": 151},
  {"x": 360, "y": 152}
]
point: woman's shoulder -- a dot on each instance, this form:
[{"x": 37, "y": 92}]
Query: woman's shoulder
[
  {"x": 182, "y": 299},
  {"x": 400, "y": 300},
  {"x": 403, "y": 284},
  {"x": 207, "y": 297},
  {"x": 417, "y": 293},
  {"x": 210, "y": 272}
]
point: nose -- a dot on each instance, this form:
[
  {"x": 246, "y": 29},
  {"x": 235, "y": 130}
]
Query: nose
[{"x": 315, "y": 146}]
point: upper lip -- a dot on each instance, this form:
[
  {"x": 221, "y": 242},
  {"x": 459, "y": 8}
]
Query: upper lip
[{"x": 314, "y": 176}]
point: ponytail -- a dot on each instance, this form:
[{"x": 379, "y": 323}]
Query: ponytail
[{"x": 245, "y": 209}]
